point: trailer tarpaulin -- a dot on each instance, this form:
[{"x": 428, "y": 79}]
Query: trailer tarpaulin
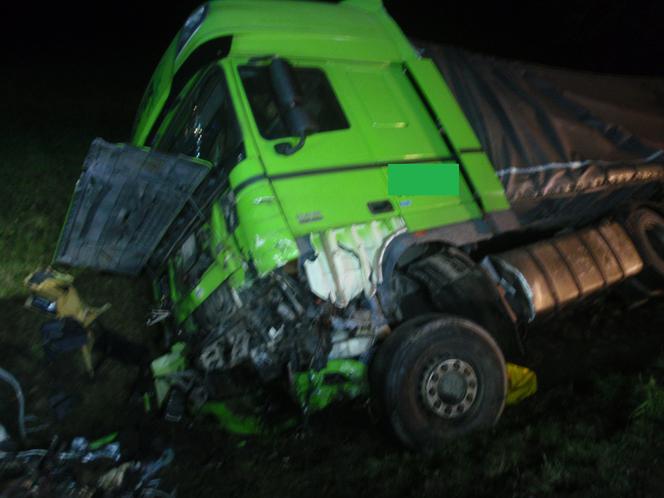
[{"x": 565, "y": 144}]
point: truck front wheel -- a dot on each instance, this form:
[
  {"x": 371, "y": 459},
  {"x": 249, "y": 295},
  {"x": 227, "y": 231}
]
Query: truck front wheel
[{"x": 443, "y": 379}]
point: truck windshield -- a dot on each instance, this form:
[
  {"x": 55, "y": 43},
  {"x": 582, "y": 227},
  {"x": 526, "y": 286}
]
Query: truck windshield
[{"x": 202, "y": 122}]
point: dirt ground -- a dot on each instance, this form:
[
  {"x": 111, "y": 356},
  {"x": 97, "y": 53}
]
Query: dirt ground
[{"x": 593, "y": 429}]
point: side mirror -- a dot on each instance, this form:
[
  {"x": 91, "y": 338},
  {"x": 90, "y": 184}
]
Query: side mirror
[{"x": 289, "y": 99}]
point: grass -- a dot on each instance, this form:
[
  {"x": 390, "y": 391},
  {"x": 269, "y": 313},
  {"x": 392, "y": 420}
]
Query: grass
[
  {"x": 47, "y": 125},
  {"x": 594, "y": 429}
]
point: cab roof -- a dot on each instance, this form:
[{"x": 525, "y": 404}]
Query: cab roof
[{"x": 350, "y": 30}]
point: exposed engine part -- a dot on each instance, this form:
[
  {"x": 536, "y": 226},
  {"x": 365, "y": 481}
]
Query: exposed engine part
[
  {"x": 350, "y": 347},
  {"x": 157, "y": 316},
  {"x": 281, "y": 324},
  {"x": 550, "y": 274},
  {"x": 355, "y": 329},
  {"x": 275, "y": 325},
  {"x": 228, "y": 350}
]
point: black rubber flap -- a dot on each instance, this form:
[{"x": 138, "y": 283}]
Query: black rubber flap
[{"x": 123, "y": 203}]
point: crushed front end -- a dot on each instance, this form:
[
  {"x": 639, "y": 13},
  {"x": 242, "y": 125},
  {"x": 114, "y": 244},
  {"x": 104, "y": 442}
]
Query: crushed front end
[{"x": 301, "y": 334}]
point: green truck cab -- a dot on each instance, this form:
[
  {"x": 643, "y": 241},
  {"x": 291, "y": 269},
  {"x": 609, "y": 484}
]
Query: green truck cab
[{"x": 296, "y": 256}]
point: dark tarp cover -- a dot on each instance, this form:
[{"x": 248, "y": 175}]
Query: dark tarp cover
[
  {"x": 123, "y": 203},
  {"x": 565, "y": 144}
]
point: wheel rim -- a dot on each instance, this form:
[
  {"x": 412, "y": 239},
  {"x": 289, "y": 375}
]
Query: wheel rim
[{"x": 449, "y": 388}]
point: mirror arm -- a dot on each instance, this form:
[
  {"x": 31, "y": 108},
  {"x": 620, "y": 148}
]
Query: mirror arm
[{"x": 286, "y": 149}]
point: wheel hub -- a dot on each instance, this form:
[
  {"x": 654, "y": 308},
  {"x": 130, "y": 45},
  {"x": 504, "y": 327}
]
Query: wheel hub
[{"x": 449, "y": 387}]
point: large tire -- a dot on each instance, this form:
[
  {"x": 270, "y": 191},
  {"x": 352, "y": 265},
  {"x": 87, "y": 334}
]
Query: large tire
[
  {"x": 444, "y": 378},
  {"x": 646, "y": 227},
  {"x": 380, "y": 361}
]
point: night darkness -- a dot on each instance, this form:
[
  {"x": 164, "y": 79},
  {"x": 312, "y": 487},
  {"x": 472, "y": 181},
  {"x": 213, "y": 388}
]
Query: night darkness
[
  {"x": 71, "y": 73},
  {"x": 599, "y": 35},
  {"x": 613, "y": 36}
]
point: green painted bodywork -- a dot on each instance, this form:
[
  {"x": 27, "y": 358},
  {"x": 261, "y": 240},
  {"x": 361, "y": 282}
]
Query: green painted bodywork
[
  {"x": 165, "y": 366},
  {"x": 314, "y": 391},
  {"x": 232, "y": 422},
  {"x": 399, "y": 109},
  {"x": 340, "y": 379},
  {"x": 103, "y": 441}
]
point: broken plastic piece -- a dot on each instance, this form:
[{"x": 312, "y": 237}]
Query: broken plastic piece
[
  {"x": 79, "y": 449},
  {"x": 232, "y": 422},
  {"x": 114, "y": 478},
  {"x": 157, "y": 316},
  {"x": 165, "y": 365},
  {"x": 175, "y": 406},
  {"x": 315, "y": 390},
  {"x": 110, "y": 451},
  {"x": 98, "y": 443},
  {"x": 151, "y": 468}
]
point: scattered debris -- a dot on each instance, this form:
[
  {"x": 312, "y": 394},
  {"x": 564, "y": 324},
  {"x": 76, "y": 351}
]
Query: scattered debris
[
  {"x": 11, "y": 380},
  {"x": 4, "y": 439},
  {"x": 61, "y": 336},
  {"x": 62, "y": 403},
  {"x": 157, "y": 316},
  {"x": 53, "y": 293},
  {"x": 83, "y": 469}
]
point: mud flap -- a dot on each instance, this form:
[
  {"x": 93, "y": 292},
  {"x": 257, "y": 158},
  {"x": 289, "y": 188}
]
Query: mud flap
[{"x": 123, "y": 203}]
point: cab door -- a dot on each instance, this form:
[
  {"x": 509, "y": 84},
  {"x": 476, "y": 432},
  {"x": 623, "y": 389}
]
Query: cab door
[
  {"x": 368, "y": 116},
  {"x": 400, "y": 130}
]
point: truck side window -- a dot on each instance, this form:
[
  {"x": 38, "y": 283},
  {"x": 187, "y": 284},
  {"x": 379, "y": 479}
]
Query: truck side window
[
  {"x": 202, "y": 123},
  {"x": 319, "y": 100}
]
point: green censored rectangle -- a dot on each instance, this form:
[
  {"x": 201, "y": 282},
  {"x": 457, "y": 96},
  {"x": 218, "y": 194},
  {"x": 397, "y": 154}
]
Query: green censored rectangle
[{"x": 423, "y": 179}]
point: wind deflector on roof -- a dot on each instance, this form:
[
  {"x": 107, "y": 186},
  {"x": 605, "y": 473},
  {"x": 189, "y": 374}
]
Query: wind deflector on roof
[
  {"x": 123, "y": 203},
  {"x": 561, "y": 141}
]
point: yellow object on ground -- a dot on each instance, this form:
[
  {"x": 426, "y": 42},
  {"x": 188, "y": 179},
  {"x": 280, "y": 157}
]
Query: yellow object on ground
[
  {"x": 522, "y": 382},
  {"x": 58, "y": 287}
]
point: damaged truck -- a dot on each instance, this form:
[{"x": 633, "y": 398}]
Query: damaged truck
[{"x": 329, "y": 209}]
